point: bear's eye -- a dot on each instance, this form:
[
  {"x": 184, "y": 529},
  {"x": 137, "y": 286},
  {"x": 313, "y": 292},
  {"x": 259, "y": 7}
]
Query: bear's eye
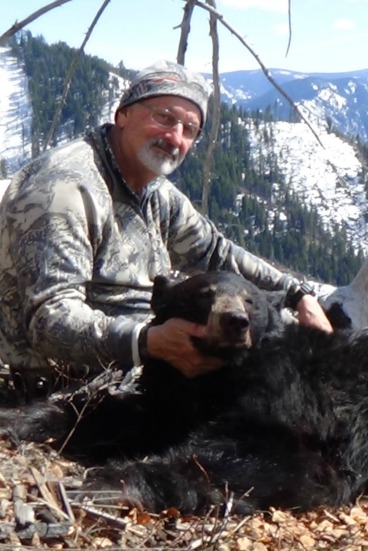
[
  {"x": 207, "y": 293},
  {"x": 249, "y": 301}
]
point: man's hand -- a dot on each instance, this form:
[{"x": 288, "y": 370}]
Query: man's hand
[
  {"x": 310, "y": 313},
  {"x": 172, "y": 342}
]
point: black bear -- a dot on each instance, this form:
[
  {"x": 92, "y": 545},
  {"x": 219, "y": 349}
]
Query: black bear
[{"x": 283, "y": 423}]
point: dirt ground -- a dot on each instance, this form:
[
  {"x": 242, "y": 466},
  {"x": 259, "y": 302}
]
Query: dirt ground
[{"x": 41, "y": 508}]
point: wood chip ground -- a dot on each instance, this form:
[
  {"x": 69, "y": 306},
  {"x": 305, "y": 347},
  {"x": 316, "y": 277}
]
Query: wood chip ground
[{"x": 39, "y": 510}]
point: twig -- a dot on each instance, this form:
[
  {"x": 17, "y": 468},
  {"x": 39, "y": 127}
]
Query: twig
[
  {"x": 92, "y": 393},
  {"x": 35, "y": 15},
  {"x": 80, "y": 415},
  {"x": 262, "y": 66},
  {"x": 64, "y": 498},
  {"x": 47, "y": 495},
  {"x": 185, "y": 30},
  {"x": 70, "y": 74},
  {"x": 290, "y": 28},
  {"x": 99, "y": 514}
]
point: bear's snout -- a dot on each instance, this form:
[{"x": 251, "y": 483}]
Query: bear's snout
[{"x": 234, "y": 325}]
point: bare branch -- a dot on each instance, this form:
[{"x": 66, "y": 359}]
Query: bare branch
[
  {"x": 290, "y": 28},
  {"x": 35, "y": 15},
  {"x": 70, "y": 74},
  {"x": 185, "y": 30},
  {"x": 263, "y": 67},
  {"x": 216, "y": 99}
]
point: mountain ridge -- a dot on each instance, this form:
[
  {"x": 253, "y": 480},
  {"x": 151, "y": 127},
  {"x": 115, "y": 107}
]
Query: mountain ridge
[{"x": 337, "y": 99}]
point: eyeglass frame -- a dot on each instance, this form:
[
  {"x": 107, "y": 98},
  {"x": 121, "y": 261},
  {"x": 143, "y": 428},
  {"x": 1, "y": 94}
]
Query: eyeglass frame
[{"x": 175, "y": 120}]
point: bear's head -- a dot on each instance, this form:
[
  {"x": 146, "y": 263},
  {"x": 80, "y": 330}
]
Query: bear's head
[{"x": 237, "y": 314}]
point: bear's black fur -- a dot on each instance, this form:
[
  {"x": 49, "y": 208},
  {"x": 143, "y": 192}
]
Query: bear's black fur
[{"x": 284, "y": 423}]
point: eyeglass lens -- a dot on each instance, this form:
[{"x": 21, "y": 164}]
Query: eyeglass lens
[{"x": 166, "y": 119}]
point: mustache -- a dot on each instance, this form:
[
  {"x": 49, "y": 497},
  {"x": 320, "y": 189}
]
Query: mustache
[{"x": 173, "y": 151}]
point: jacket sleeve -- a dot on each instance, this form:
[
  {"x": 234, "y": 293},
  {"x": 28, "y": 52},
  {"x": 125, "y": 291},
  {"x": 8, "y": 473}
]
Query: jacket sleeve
[{"x": 53, "y": 234}]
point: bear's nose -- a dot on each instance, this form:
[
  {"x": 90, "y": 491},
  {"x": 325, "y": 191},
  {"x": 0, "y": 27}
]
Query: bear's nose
[{"x": 234, "y": 324}]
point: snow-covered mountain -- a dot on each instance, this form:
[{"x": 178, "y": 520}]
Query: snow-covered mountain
[
  {"x": 15, "y": 114},
  {"x": 337, "y": 100},
  {"x": 326, "y": 172},
  {"x": 330, "y": 176}
]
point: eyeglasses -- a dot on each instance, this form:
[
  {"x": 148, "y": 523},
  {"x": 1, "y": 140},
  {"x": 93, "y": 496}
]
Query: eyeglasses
[{"x": 166, "y": 119}]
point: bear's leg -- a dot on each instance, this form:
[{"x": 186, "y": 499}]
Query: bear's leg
[
  {"x": 261, "y": 467},
  {"x": 36, "y": 423},
  {"x": 154, "y": 485}
]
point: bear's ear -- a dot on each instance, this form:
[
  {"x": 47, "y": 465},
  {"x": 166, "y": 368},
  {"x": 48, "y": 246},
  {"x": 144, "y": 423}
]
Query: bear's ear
[{"x": 161, "y": 286}]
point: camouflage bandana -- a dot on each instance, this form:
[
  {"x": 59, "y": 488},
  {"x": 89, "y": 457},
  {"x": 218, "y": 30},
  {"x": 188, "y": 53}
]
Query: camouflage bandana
[{"x": 168, "y": 78}]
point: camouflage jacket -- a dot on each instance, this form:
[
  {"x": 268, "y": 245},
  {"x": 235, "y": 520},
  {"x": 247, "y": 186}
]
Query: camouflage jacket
[{"x": 79, "y": 252}]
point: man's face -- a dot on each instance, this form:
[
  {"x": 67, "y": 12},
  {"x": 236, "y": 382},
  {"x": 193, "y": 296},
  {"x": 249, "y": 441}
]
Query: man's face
[{"x": 158, "y": 132}]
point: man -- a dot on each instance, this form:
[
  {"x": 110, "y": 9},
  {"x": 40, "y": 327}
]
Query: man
[{"x": 86, "y": 227}]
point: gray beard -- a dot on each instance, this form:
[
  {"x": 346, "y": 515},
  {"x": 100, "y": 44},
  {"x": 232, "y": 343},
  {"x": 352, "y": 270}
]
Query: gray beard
[{"x": 160, "y": 163}]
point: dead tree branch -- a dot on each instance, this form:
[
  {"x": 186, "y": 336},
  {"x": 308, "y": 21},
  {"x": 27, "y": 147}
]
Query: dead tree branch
[
  {"x": 183, "y": 44},
  {"x": 262, "y": 66},
  {"x": 185, "y": 30},
  {"x": 290, "y": 27},
  {"x": 35, "y": 15},
  {"x": 216, "y": 99},
  {"x": 70, "y": 74}
]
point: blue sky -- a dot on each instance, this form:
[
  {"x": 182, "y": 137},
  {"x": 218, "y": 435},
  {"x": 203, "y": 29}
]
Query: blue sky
[{"x": 327, "y": 35}]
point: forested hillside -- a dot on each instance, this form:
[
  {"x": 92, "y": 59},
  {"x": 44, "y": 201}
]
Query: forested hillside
[
  {"x": 253, "y": 206},
  {"x": 256, "y": 208},
  {"x": 90, "y": 90}
]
